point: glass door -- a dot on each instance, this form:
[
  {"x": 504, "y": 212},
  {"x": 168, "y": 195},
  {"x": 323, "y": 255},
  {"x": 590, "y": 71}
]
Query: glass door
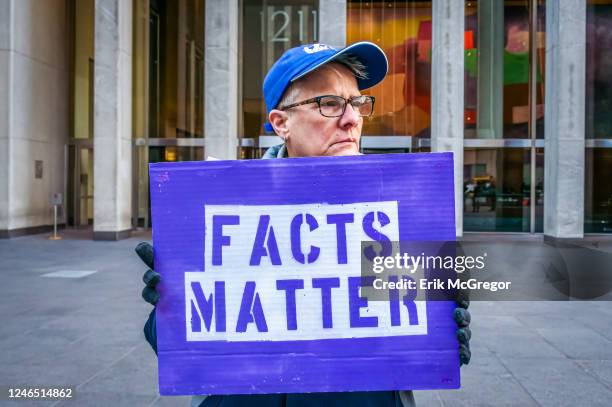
[
  {"x": 167, "y": 91},
  {"x": 79, "y": 149},
  {"x": 504, "y": 116},
  {"x": 79, "y": 203}
]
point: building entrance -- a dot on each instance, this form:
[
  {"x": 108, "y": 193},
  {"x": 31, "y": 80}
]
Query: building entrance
[
  {"x": 79, "y": 167},
  {"x": 168, "y": 91}
]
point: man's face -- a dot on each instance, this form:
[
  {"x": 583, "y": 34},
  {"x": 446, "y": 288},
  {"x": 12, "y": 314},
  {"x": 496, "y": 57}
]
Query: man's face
[{"x": 306, "y": 131}]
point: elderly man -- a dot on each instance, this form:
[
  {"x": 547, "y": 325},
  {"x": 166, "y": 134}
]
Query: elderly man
[
  {"x": 308, "y": 105},
  {"x": 314, "y": 104}
]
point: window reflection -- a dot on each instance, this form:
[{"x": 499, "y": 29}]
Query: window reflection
[
  {"x": 497, "y": 69},
  {"x": 598, "y": 191},
  {"x": 176, "y": 67},
  {"x": 403, "y": 30},
  {"x": 173, "y": 153},
  {"x": 497, "y": 189},
  {"x": 599, "y": 70},
  {"x": 497, "y": 66},
  {"x": 82, "y": 69},
  {"x": 504, "y": 99},
  {"x": 598, "y": 120},
  {"x": 167, "y": 89},
  {"x": 269, "y": 28}
]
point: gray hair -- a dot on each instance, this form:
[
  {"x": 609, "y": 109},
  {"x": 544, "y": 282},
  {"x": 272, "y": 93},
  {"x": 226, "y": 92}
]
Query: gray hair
[{"x": 353, "y": 64}]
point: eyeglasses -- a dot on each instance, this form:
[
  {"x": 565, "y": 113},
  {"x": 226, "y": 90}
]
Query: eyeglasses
[{"x": 335, "y": 106}]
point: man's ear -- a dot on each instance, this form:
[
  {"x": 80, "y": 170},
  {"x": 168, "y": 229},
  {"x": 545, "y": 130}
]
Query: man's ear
[{"x": 278, "y": 119}]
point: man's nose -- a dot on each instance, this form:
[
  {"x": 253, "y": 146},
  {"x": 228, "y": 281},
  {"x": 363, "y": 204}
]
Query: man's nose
[{"x": 350, "y": 118}]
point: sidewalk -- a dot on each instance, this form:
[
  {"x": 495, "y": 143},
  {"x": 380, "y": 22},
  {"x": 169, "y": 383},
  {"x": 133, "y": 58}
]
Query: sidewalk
[{"x": 87, "y": 332}]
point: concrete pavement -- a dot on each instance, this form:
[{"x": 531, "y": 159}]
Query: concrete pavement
[{"x": 83, "y": 327}]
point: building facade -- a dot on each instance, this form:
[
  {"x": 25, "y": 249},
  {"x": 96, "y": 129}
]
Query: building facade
[{"x": 92, "y": 91}]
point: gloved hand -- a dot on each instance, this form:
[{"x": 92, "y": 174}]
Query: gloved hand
[
  {"x": 462, "y": 317},
  {"x": 150, "y": 278}
]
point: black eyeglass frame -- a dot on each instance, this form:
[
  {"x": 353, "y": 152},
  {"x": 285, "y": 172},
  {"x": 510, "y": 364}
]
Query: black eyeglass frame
[{"x": 317, "y": 100}]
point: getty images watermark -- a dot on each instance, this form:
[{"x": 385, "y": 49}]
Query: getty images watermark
[
  {"x": 444, "y": 270},
  {"x": 457, "y": 264}
]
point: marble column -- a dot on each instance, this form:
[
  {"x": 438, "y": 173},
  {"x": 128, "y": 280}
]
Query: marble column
[
  {"x": 5, "y": 126},
  {"x": 332, "y": 22},
  {"x": 447, "y": 72},
  {"x": 112, "y": 119},
  {"x": 490, "y": 114},
  {"x": 34, "y": 120},
  {"x": 564, "y": 119},
  {"x": 221, "y": 79}
]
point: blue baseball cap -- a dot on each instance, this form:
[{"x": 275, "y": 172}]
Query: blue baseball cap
[{"x": 300, "y": 61}]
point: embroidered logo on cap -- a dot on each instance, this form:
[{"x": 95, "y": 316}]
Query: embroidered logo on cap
[{"x": 316, "y": 48}]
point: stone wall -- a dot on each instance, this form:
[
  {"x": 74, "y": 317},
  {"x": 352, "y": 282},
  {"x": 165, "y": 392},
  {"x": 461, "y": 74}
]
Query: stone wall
[{"x": 34, "y": 106}]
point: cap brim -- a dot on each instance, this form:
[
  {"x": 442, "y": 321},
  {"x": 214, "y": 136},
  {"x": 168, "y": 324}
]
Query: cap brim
[{"x": 369, "y": 54}]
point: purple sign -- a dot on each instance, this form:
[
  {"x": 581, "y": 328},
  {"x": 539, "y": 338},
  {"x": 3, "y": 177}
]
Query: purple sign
[{"x": 260, "y": 263}]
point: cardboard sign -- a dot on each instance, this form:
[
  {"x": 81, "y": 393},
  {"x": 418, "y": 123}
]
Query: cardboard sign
[{"x": 260, "y": 264}]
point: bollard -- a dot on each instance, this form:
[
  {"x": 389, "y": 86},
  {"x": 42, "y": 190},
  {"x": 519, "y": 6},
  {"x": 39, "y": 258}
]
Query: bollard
[{"x": 55, "y": 236}]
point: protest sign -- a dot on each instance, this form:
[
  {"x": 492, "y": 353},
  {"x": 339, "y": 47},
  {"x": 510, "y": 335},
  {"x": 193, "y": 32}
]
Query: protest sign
[{"x": 260, "y": 264}]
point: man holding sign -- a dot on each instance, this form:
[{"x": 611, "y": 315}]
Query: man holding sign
[{"x": 314, "y": 104}]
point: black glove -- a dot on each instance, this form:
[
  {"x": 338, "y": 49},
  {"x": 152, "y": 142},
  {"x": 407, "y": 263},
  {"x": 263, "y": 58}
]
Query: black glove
[
  {"x": 150, "y": 277},
  {"x": 462, "y": 317}
]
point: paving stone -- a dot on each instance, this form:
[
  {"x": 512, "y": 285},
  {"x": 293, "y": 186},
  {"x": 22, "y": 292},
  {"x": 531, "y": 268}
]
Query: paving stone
[
  {"x": 87, "y": 332},
  {"x": 558, "y": 382},
  {"x": 597, "y": 319},
  {"x": 171, "y": 401},
  {"x": 27, "y": 403},
  {"x": 108, "y": 398},
  {"x": 601, "y": 369},
  {"x": 578, "y": 343},
  {"x": 28, "y": 347},
  {"x": 428, "y": 398},
  {"x": 120, "y": 376},
  {"x": 19, "y": 326},
  {"x": 44, "y": 374},
  {"x": 506, "y": 335},
  {"x": 486, "y": 382}
]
